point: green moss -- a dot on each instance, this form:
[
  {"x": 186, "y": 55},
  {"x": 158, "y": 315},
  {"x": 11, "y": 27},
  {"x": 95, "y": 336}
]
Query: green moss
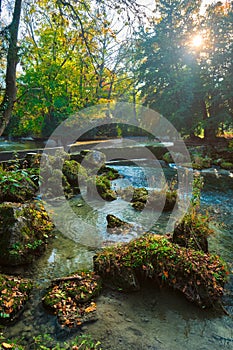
[
  {"x": 193, "y": 230},
  {"x": 227, "y": 165},
  {"x": 199, "y": 276},
  {"x": 47, "y": 342},
  {"x": 109, "y": 172},
  {"x": 168, "y": 158},
  {"x": 102, "y": 185},
  {"x": 74, "y": 172},
  {"x": 25, "y": 230},
  {"x": 200, "y": 162}
]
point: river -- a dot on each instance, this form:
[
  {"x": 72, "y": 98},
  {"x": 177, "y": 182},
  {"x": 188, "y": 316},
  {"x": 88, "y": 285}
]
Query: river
[{"x": 155, "y": 319}]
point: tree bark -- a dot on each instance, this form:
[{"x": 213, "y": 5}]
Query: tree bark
[
  {"x": 209, "y": 130},
  {"x": 9, "y": 98}
]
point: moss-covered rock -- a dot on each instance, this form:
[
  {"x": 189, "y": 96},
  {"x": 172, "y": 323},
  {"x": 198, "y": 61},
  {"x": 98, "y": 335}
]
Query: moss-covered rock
[
  {"x": 16, "y": 186},
  {"x": 14, "y": 292},
  {"x": 92, "y": 160},
  {"x": 140, "y": 198},
  {"x": 174, "y": 157},
  {"x": 168, "y": 158},
  {"x": 200, "y": 162},
  {"x": 226, "y": 165},
  {"x": 100, "y": 185},
  {"x": 110, "y": 173},
  {"x": 116, "y": 225},
  {"x": 199, "y": 276},
  {"x": 24, "y": 232},
  {"x": 71, "y": 298},
  {"x": 193, "y": 231},
  {"x": 74, "y": 173},
  {"x": 164, "y": 200},
  {"x": 137, "y": 196}
]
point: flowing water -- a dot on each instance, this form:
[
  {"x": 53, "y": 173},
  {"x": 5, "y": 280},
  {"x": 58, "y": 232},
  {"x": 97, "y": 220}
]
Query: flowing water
[
  {"x": 151, "y": 318},
  {"x": 29, "y": 144}
]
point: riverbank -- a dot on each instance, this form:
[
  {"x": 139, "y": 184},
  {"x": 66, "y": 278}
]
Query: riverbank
[{"x": 134, "y": 313}]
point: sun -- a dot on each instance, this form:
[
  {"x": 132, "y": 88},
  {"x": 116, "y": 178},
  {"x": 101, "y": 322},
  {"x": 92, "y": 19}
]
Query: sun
[{"x": 197, "y": 40}]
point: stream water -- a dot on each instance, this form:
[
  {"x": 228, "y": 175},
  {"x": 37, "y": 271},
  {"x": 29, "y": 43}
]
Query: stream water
[
  {"x": 23, "y": 144},
  {"x": 151, "y": 318}
]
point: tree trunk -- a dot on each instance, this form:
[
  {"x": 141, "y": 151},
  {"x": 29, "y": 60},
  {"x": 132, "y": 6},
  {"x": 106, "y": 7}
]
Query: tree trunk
[
  {"x": 9, "y": 98},
  {"x": 209, "y": 130}
]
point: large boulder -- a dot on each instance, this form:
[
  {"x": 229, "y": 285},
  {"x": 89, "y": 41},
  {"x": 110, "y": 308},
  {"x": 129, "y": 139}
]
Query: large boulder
[
  {"x": 92, "y": 160},
  {"x": 24, "y": 232},
  {"x": 16, "y": 186},
  {"x": 199, "y": 276}
]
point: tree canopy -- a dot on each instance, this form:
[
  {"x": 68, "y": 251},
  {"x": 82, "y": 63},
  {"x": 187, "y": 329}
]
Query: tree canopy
[{"x": 58, "y": 57}]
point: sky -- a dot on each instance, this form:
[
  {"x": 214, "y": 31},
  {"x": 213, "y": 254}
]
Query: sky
[{"x": 150, "y": 3}]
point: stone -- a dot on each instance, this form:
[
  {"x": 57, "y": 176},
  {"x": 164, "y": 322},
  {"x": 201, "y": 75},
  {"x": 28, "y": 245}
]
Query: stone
[
  {"x": 70, "y": 298},
  {"x": 126, "y": 267},
  {"x": 100, "y": 186},
  {"x": 14, "y": 293},
  {"x": 116, "y": 225},
  {"x": 93, "y": 159},
  {"x": 74, "y": 173},
  {"x": 24, "y": 232}
]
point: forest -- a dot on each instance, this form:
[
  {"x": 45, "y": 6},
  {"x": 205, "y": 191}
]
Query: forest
[
  {"x": 58, "y": 57},
  {"x": 116, "y": 169}
]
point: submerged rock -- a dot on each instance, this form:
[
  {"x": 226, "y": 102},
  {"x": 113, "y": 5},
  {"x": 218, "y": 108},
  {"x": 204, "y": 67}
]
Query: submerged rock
[
  {"x": 141, "y": 198},
  {"x": 14, "y": 292},
  {"x": 71, "y": 299},
  {"x": 24, "y": 232},
  {"x": 199, "y": 276},
  {"x": 116, "y": 225}
]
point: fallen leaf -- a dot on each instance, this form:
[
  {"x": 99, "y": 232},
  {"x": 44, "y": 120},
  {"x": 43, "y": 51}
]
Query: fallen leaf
[
  {"x": 90, "y": 308},
  {"x": 7, "y": 346},
  {"x": 9, "y": 303}
]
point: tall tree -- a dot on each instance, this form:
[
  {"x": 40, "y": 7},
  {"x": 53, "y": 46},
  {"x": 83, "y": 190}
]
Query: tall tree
[
  {"x": 189, "y": 82},
  {"x": 127, "y": 9},
  {"x": 11, "y": 32},
  {"x": 164, "y": 71}
]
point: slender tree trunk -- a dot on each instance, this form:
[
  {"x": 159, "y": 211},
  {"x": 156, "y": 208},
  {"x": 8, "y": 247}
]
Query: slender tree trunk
[
  {"x": 209, "y": 130},
  {"x": 9, "y": 98}
]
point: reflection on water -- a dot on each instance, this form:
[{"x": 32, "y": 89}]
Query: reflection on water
[
  {"x": 153, "y": 318},
  {"x": 21, "y": 145}
]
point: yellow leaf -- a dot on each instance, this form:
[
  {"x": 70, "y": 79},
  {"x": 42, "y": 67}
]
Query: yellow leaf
[
  {"x": 91, "y": 308},
  {"x": 7, "y": 346},
  {"x": 9, "y": 303}
]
